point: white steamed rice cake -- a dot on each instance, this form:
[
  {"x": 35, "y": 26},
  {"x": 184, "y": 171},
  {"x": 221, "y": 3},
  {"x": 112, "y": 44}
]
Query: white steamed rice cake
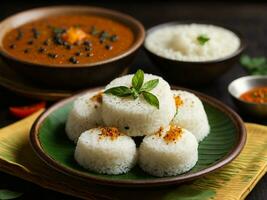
[
  {"x": 169, "y": 152},
  {"x": 191, "y": 114},
  {"x": 136, "y": 117},
  {"x": 106, "y": 151},
  {"x": 85, "y": 114}
]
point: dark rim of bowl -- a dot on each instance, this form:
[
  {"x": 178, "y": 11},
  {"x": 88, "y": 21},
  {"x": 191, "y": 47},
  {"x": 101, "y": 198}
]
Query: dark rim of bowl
[
  {"x": 136, "y": 44},
  {"x": 240, "y": 49},
  {"x": 232, "y": 154},
  {"x": 241, "y": 100}
]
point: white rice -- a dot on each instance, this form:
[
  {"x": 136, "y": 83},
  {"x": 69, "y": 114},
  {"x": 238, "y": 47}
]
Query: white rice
[
  {"x": 159, "y": 158},
  {"x": 85, "y": 114},
  {"x": 191, "y": 115},
  {"x": 179, "y": 42},
  {"x": 104, "y": 155},
  {"x": 136, "y": 117}
]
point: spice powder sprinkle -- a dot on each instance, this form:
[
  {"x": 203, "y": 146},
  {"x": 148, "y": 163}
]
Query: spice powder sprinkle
[
  {"x": 97, "y": 97},
  {"x": 173, "y": 134},
  {"x": 178, "y": 101},
  {"x": 111, "y": 132}
]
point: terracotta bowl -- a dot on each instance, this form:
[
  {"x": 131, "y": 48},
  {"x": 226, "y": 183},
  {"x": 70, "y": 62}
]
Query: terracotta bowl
[
  {"x": 193, "y": 73},
  {"x": 70, "y": 76}
]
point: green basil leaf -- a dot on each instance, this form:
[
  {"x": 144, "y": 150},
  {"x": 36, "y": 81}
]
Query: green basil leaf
[
  {"x": 134, "y": 93},
  {"x": 202, "y": 39},
  {"x": 120, "y": 91},
  {"x": 151, "y": 99},
  {"x": 138, "y": 79},
  {"x": 8, "y": 194},
  {"x": 149, "y": 85}
]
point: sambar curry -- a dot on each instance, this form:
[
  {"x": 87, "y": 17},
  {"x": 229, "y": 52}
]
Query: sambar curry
[{"x": 69, "y": 39}]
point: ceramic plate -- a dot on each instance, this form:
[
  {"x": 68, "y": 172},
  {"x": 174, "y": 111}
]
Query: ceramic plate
[{"x": 225, "y": 141}]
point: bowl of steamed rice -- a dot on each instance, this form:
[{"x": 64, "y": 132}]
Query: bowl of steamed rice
[
  {"x": 100, "y": 130},
  {"x": 193, "y": 54}
]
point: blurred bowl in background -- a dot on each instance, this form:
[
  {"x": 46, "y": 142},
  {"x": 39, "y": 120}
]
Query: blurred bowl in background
[
  {"x": 241, "y": 85},
  {"x": 193, "y": 73},
  {"x": 70, "y": 76}
]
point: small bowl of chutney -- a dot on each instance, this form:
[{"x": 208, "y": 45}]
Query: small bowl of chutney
[
  {"x": 70, "y": 47},
  {"x": 249, "y": 94}
]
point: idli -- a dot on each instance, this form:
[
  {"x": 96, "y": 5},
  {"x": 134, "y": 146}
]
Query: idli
[
  {"x": 106, "y": 150},
  {"x": 85, "y": 114},
  {"x": 169, "y": 152},
  {"x": 136, "y": 117},
  {"x": 191, "y": 114}
]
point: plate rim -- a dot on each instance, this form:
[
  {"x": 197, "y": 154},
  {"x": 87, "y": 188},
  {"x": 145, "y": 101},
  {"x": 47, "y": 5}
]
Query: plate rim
[{"x": 161, "y": 181}]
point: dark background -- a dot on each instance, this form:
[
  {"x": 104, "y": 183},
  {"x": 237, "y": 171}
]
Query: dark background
[{"x": 248, "y": 17}]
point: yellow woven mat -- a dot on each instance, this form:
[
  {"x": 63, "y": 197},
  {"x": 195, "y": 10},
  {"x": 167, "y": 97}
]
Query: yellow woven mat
[{"x": 234, "y": 181}]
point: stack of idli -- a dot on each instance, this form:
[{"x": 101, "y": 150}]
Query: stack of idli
[{"x": 105, "y": 125}]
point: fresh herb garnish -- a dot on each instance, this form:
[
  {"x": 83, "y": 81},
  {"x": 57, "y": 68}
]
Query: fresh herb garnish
[
  {"x": 94, "y": 30},
  {"x": 151, "y": 99},
  {"x": 103, "y": 35},
  {"x": 20, "y": 35},
  {"x": 114, "y": 38},
  {"x": 8, "y": 194},
  {"x": 138, "y": 88},
  {"x": 120, "y": 91},
  {"x": 138, "y": 80},
  {"x": 202, "y": 39},
  {"x": 58, "y": 30},
  {"x": 254, "y": 66},
  {"x": 36, "y": 33},
  {"x": 149, "y": 85}
]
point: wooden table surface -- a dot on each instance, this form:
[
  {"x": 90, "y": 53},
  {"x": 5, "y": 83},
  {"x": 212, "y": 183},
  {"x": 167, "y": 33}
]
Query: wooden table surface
[{"x": 250, "y": 19}]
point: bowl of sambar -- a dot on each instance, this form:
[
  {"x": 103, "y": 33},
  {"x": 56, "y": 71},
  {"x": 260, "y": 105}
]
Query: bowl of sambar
[{"x": 70, "y": 47}]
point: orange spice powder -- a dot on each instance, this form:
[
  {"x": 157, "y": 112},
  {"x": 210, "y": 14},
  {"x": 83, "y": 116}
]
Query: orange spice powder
[
  {"x": 97, "y": 97},
  {"x": 111, "y": 132},
  {"x": 159, "y": 132},
  {"x": 173, "y": 134},
  {"x": 178, "y": 101}
]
